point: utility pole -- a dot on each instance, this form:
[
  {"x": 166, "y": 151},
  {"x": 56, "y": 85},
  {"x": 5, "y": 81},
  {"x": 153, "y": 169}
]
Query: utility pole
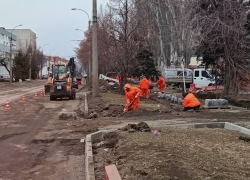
[
  {"x": 31, "y": 54},
  {"x": 30, "y": 64},
  {"x": 90, "y": 73},
  {"x": 11, "y": 77},
  {"x": 95, "y": 79}
]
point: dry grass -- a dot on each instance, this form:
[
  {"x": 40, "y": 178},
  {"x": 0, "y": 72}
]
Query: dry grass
[{"x": 212, "y": 154}]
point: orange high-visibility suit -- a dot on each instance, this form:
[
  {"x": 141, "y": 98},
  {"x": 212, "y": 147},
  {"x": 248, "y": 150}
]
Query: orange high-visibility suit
[
  {"x": 144, "y": 85},
  {"x": 119, "y": 79},
  {"x": 161, "y": 84},
  {"x": 190, "y": 101},
  {"x": 132, "y": 97}
]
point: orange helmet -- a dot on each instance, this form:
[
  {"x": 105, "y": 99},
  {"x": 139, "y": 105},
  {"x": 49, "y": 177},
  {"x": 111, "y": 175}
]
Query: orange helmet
[{"x": 127, "y": 86}]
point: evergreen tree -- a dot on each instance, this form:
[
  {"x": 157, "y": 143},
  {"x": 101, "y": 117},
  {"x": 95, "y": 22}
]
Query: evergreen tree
[
  {"x": 21, "y": 66},
  {"x": 144, "y": 64}
]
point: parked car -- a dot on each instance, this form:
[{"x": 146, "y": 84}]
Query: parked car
[
  {"x": 44, "y": 76},
  {"x": 4, "y": 78}
]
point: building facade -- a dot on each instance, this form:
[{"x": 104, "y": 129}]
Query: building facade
[
  {"x": 5, "y": 38},
  {"x": 25, "y": 38}
]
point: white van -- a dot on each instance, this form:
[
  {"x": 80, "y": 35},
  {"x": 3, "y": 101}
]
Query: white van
[
  {"x": 177, "y": 72},
  {"x": 202, "y": 77}
]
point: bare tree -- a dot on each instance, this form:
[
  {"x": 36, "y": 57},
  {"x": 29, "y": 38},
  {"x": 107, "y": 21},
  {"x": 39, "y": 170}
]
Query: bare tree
[{"x": 223, "y": 38}]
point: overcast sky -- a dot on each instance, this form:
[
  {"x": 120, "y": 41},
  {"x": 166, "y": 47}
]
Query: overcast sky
[{"x": 53, "y": 21}]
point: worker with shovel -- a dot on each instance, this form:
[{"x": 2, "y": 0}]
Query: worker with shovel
[
  {"x": 161, "y": 83},
  {"x": 144, "y": 86},
  {"x": 190, "y": 102},
  {"x": 132, "y": 97}
]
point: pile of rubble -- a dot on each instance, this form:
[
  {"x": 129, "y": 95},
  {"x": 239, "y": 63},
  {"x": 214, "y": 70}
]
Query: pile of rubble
[{"x": 141, "y": 127}]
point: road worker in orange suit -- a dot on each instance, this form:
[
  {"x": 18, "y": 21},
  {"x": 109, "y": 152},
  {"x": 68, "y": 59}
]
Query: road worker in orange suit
[
  {"x": 144, "y": 86},
  {"x": 132, "y": 97},
  {"x": 161, "y": 83},
  {"x": 119, "y": 79},
  {"x": 190, "y": 102}
]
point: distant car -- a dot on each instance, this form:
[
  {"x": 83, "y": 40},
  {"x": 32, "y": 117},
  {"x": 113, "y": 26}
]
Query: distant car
[
  {"x": 44, "y": 76},
  {"x": 4, "y": 78},
  {"x": 111, "y": 74}
]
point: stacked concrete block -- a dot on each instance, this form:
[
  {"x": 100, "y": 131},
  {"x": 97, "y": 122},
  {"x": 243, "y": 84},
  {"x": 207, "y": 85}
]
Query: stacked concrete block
[
  {"x": 216, "y": 103},
  {"x": 168, "y": 97},
  {"x": 161, "y": 95},
  {"x": 173, "y": 98},
  {"x": 180, "y": 101},
  {"x": 67, "y": 115}
]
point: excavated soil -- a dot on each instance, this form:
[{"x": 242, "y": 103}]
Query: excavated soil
[
  {"x": 213, "y": 154},
  {"x": 111, "y": 104}
]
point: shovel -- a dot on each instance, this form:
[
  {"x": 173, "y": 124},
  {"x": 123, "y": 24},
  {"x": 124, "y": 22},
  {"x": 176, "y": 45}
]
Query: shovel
[{"x": 130, "y": 104}]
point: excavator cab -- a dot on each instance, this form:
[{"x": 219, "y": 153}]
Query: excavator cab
[{"x": 60, "y": 72}]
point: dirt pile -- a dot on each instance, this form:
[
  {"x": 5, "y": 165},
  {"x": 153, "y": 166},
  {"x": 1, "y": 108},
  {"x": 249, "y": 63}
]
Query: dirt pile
[
  {"x": 141, "y": 127},
  {"x": 103, "y": 109}
]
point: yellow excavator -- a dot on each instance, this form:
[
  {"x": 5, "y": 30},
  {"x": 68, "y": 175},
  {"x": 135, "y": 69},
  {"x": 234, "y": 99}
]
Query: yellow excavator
[{"x": 60, "y": 81}]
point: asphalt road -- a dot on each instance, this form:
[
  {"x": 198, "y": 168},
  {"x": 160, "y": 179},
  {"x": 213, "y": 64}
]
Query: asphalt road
[
  {"x": 34, "y": 144},
  {"x": 15, "y": 91}
]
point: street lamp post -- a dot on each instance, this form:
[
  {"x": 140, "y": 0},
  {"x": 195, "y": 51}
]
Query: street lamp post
[
  {"x": 50, "y": 57},
  {"x": 89, "y": 74},
  {"x": 41, "y": 73},
  {"x": 31, "y": 58},
  {"x": 11, "y": 75},
  {"x": 54, "y": 59}
]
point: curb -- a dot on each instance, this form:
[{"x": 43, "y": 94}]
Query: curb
[
  {"x": 89, "y": 161},
  {"x": 86, "y": 108},
  {"x": 79, "y": 89},
  {"x": 233, "y": 127}
]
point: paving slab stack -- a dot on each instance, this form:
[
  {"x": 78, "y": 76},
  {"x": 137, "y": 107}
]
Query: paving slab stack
[
  {"x": 175, "y": 100},
  {"x": 216, "y": 103}
]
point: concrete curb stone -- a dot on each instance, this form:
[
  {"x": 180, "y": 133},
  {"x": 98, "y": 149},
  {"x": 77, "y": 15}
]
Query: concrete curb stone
[
  {"x": 89, "y": 160},
  {"x": 180, "y": 101}
]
